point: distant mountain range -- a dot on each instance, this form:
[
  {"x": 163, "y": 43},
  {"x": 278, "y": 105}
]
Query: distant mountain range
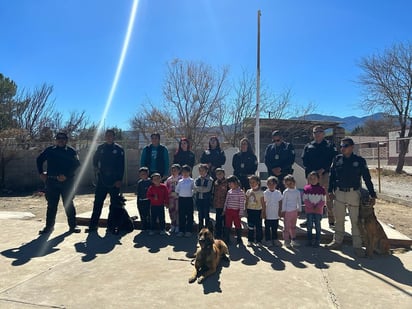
[{"x": 349, "y": 123}]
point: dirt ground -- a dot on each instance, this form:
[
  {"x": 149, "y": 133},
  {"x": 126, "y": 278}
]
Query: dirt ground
[{"x": 396, "y": 215}]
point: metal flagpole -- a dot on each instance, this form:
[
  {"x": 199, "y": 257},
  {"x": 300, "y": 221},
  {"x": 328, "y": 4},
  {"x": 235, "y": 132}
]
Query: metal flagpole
[{"x": 257, "y": 126}]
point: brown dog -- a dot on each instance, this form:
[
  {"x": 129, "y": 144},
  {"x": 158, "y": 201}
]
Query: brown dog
[
  {"x": 208, "y": 255},
  {"x": 372, "y": 233}
]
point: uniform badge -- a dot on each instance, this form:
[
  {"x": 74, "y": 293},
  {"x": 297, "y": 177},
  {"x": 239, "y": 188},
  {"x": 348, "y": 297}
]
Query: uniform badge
[
  {"x": 277, "y": 157},
  {"x": 114, "y": 151},
  {"x": 355, "y": 164},
  {"x": 242, "y": 165}
]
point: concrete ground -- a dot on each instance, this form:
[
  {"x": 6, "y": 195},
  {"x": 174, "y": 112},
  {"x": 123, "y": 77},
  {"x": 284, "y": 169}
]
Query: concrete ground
[{"x": 139, "y": 271}]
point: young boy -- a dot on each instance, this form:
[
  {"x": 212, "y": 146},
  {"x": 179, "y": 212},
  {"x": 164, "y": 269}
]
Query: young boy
[
  {"x": 220, "y": 188},
  {"x": 271, "y": 211},
  {"x": 184, "y": 189},
  {"x": 203, "y": 189},
  {"x": 159, "y": 197},
  {"x": 143, "y": 203}
]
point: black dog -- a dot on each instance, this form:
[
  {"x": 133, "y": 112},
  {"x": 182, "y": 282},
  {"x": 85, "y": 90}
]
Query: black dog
[{"x": 119, "y": 219}]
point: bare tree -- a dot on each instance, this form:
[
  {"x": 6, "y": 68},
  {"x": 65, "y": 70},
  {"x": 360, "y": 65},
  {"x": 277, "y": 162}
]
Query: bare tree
[
  {"x": 387, "y": 82},
  {"x": 193, "y": 92}
]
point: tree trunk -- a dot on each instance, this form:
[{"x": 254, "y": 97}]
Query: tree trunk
[{"x": 403, "y": 148}]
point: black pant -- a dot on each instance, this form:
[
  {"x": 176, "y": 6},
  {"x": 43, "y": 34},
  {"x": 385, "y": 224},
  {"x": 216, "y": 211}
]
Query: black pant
[
  {"x": 185, "y": 214},
  {"x": 271, "y": 229},
  {"x": 219, "y": 223},
  {"x": 143, "y": 206},
  {"x": 157, "y": 213},
  {"x": 99, "y": 197},
  {"x": 254, "y": 222},
  {"x": 203, "y": 208},
  {"x": 55, "y": 189}
]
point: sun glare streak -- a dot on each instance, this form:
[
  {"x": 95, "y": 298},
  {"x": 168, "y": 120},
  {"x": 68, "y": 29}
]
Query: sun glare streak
[{"x": 110, "y": 97}]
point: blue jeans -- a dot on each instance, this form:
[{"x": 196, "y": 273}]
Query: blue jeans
[{"x": 313, "y": 219}]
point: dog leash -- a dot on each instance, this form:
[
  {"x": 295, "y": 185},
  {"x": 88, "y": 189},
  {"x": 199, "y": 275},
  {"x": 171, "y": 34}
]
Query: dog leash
[{"x": 181, "y": 260}]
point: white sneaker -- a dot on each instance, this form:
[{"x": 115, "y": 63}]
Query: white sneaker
[
  {"x": 162, "y": 232},
  {"x": 188, "y": 234}
]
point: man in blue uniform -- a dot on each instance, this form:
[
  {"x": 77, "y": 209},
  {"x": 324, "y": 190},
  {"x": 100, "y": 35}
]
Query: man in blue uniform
[
  {"x": 344, "y": 189},
  {"x": 317, "y": 156},
  {"x": 108, "y": 161},
  {"x": 62, "y": 162},
  {"x": 279, "y": 158}
]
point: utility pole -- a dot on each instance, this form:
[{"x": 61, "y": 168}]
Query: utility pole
[{"x": 257, "y": 126}]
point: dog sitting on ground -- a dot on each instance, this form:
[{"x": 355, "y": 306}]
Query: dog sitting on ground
[
  {"x": 372, "y": 233},
  {"x": 208, "y": 255},
  {"x": 119, "y": 219}
]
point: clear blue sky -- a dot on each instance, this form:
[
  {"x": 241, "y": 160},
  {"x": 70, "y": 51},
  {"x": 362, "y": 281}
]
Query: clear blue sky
[{"x": 311, "y": 47}]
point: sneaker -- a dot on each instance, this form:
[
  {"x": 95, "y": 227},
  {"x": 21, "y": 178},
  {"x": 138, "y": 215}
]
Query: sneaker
[
  {"x": 359, "y": 252},
  {"x": 46, "y": 230},
  {"x": 162, "y": 232},
  {"x": 334, "y": 246},
  {"x": 304, "y": 224},
  {"x": 277, "y": 243},
  {"x": 332, "y": 225},
  {"x": 188, "y": 234},
  {"x": 74, "y": 229},
  {"x": 180, "y": 234},
  {"x": 172, "y": 229},
  {"x": 294, "y": 243},
  {"x": 287, "y": 244},
  {"x": 151, "y": 233}
]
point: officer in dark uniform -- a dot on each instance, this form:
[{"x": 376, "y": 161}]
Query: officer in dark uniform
[
  {"x": 344, "y": 189},
  {"x": 108, "y": 161},
  {"x": 62, "y": 162},
  {"x": 244, "y": 163},
  {"x": 279, "y": 158},
  {"x": 317, "y": 156}
]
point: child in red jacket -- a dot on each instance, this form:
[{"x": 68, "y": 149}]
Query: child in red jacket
[{"x": 159, "y": 197}]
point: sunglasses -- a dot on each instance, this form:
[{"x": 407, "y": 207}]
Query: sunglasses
[{"x": 345, "y": 145}]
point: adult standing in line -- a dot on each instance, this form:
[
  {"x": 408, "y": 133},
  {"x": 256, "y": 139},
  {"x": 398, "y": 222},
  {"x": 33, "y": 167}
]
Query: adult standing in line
[
  {"x": 183, "y": 155},
  {"x": 279, "y": 158},
  {"x": 62, "y": 162},
  {"x": 214, "y": 157},
  {"x": 108, "y": 162},
  {"x": 344, "y": 189},
  {"x": 244, "y": 163},
  {"x": 317, "y": 157},
  {"x": 155, "y": 156}
]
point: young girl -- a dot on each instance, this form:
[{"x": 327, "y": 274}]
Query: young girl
[
  {"x": 220, "y": 188},
  {"x": 254, "y": 204},
  {"x": 314, "y": 198},
  {"x": 291, "y": 206},
  {"x": 171, "y": 183},
  {"x": 184, "y": 189},
  {"x": 271, "y": 211},
  {"x": 234, "y": 209}
]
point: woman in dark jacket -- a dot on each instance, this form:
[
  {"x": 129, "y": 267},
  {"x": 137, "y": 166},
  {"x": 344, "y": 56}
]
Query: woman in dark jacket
[
  {"x": 244, "y": 163},
  {"x": 183, "y": 154},
  {"x": 214, "y": 157}
]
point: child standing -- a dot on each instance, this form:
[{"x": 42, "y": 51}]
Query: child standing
[
  {"x": 271, "y": 211},
  {"x": 143, "y": 203},
  {"x": 254, "y": 204},
  {"x": 171, "y": 183},
  {"x": 184, "y": 190},
  {"x": 314, "y": 198},
  {"x": 291, "y": 206},
  {"x": 234, "y": 209},
  {"x": 220, "y": 188},
  {"x": 159, "y": 197},
  {"x": 203, "y": 189}
]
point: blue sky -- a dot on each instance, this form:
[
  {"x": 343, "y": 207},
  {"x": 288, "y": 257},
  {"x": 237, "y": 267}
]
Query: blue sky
[{"x": 309, "y": 47}]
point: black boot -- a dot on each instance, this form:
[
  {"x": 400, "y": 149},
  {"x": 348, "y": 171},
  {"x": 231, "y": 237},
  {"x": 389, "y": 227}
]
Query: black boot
[{"x": 239, "y": 237}]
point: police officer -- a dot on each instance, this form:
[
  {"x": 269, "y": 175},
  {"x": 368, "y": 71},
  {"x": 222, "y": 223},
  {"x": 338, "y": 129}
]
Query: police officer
[
  {"x": 108, "y": 161},
  {"x": 317, "y": 156},
  {"x": 244, "y": 163},
  {"x": 344, "y": 189},
  {"x": 279, "y": 158},
  {"x": 62, "y": 162}
]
